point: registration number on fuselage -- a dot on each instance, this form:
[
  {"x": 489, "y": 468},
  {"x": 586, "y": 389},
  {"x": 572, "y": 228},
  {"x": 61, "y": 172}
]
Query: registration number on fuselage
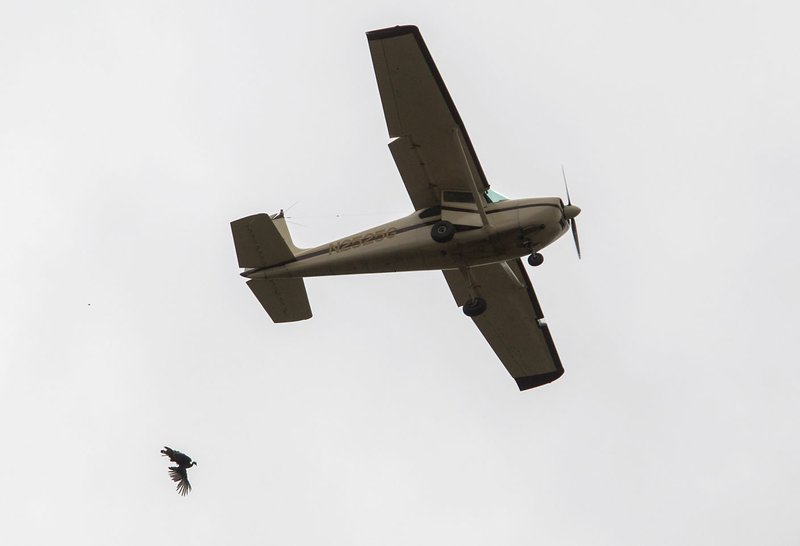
[{"x": 361, "y": 240}]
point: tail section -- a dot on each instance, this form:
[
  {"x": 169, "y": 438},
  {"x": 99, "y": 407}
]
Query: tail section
[
  {"x": 262, "y": 240},
  {"x": 280, "y": 224}
]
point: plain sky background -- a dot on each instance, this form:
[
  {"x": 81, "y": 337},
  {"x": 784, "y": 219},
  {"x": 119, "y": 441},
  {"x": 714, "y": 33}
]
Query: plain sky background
[{"x": 132, "y": 133}]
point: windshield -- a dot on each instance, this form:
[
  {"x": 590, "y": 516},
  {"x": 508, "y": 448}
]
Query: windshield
[{"x": 494, "y": 197}]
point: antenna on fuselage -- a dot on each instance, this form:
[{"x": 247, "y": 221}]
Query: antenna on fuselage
[
  {"x": 290, "y": 219},
  {"x": 570, "y": 212}
]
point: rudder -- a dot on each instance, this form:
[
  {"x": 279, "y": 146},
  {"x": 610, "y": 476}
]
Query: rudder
[{"x": 259, "y": 241}]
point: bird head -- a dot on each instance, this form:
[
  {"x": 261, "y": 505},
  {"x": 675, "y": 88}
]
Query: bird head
[{"x": 193, "y": 463}]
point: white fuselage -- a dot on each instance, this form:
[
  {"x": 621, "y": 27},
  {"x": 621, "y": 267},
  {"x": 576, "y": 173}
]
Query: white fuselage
[{"x": 516, "y": 228}]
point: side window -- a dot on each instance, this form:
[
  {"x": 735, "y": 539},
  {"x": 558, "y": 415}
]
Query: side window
[{"x": 457, "y": 197}]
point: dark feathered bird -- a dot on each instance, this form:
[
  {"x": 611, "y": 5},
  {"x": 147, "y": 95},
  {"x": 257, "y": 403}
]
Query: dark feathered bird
[{"x": 178, "y": 473}]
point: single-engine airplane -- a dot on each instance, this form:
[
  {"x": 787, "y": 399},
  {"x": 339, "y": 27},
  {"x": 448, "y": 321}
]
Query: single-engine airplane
[{"x": 460, "y": 226}]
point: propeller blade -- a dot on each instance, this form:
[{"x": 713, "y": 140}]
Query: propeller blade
[
  {"x": 566, "y": 186},
  {"x": 574, "y": 226},
  {"x": 571, "y": 213}
]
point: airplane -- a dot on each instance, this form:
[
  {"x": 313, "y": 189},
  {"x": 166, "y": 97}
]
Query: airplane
[{"x": 460, "y": 226}]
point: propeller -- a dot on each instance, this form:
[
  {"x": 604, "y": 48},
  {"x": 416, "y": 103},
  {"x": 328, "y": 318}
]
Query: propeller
[{"x": 570, "y": 212}]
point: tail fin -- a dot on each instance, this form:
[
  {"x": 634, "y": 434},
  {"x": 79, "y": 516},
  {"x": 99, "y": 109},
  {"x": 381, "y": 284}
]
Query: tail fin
[
  {"x": 262, "y": 240},
  {"x": 280, "y": 224}
]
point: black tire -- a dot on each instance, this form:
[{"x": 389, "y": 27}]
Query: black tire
[
  {"x": 475, "y": 307},
  {"x": 443, "y": 231},
  {"x": 536, "y": 259}
]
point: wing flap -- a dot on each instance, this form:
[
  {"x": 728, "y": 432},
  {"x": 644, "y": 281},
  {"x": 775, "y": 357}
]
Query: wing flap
[
  {"x": 512, "y": 321},
  {"x": 412, "y": 170}
]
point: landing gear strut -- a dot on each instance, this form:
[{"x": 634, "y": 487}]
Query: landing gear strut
[
  {"x": 475, "y": 307},
  {"x": 443, "y": 231},
  {"x": 536, "y": 259}
]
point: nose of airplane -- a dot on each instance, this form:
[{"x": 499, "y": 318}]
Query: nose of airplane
[{"x": 571, "y": 211}]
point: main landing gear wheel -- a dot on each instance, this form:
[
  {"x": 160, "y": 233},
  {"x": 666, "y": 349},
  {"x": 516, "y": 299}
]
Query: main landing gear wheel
[
  {"x": 443, "y": 231},
  {"x": 535, "y": 259},
  {"x": 475, "y": 307}
]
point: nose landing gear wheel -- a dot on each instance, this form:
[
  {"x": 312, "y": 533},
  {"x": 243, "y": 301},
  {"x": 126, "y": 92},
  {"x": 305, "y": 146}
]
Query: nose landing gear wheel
[
  {"x": 443, "y": 231},
  {"x": 536, "y": 259},
  {"x": 474, "y": 307}
]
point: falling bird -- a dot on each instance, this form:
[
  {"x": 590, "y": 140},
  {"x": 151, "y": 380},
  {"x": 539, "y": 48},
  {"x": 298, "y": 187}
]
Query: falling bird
[{"x": 178, "y": 473}]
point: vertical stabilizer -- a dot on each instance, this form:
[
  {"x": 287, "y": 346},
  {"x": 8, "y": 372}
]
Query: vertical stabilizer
[
  {"x": 261, "y": 241},
  {"x": 280, "y": 224}
]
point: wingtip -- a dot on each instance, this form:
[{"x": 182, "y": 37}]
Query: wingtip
[
  {"x": 533, "y": 381},
  {"x": 391, "y": 32}
]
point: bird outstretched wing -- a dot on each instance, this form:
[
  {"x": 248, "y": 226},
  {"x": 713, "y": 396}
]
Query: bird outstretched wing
[{"x": 179, "y": 475}]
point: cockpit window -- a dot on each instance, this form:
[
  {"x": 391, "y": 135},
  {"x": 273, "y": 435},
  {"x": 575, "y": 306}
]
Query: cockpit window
[{"x": 494, "y": 197}]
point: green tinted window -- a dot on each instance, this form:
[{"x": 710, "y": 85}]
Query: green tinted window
[{"x": 494, "y": 197}]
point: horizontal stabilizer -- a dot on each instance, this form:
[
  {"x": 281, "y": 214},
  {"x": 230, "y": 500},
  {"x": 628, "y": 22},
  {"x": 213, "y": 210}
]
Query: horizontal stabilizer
[{"x": 285, "y": 300}]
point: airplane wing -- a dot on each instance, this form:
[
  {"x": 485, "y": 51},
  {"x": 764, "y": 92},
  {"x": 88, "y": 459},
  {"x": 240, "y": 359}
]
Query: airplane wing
[
  {"x": 431, "y": 147},
  {"x": 512, "y": 321}
]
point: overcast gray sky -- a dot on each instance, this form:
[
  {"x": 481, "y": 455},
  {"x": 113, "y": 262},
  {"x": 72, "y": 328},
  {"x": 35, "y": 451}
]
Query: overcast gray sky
[{"x": 131, "y": 134}]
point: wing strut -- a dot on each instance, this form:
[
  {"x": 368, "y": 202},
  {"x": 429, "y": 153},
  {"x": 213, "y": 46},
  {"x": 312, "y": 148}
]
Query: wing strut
[
  {"x": 469, "y": 281},
  {"x": 472, "y": 184}
]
